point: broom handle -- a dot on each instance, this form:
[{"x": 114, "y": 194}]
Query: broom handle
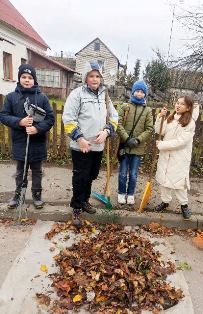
[
  {"x": 107, "y": 169},
  {"x": 155, "y": 149}
]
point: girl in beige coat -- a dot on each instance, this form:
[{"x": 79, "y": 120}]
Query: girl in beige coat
[{"x": 175, "y": 154}]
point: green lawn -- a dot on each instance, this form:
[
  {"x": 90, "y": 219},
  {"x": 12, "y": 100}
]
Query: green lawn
[{"x": 59, "y": 102}]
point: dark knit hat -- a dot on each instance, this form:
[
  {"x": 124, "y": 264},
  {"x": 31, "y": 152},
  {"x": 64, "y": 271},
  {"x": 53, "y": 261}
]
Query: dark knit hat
[
  {"x": 27, "y": 68},
  {"x": 140, "y": 85}
]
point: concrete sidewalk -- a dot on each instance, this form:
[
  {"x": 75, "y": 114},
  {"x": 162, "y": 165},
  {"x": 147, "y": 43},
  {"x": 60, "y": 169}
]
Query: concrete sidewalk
[
  {"x": 57, "y": 191},
  {"x": 25, "y": 279}
]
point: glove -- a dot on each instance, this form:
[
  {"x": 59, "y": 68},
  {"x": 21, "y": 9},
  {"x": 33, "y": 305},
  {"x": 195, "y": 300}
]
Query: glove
[{"x": 132, "y": 142}]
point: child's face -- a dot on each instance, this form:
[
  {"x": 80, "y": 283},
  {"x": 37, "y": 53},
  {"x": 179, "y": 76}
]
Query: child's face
[
  {"x": 93, "y": 80},
  {"x": 139, "y": 94},
  {"x": 180, "y": 106},
  {"x": 26, "y": 80}
]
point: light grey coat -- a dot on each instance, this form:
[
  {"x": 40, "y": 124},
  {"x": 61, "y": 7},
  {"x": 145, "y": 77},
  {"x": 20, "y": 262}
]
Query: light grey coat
[{"x": 86, "y": 113}]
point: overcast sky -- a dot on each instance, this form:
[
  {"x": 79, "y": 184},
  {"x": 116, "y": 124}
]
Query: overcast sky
[{"x": 69, "y": 25}]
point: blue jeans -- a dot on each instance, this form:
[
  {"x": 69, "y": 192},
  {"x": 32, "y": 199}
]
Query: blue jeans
[{"x": 130, "y": 163}]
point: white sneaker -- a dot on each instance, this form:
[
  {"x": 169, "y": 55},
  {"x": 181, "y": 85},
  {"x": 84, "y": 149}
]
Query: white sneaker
[
  {"x": 130, "y": 200},
  {"x": 121, "y": 199}
]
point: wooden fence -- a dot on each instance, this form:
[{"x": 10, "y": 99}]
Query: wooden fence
[{"x": 57, "y": 141}]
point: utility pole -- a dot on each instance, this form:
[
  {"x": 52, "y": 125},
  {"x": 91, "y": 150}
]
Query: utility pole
[{"x": 171, "y": 31}]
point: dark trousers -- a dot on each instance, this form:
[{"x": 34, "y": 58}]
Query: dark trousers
[
  {"x": 36, "y": 168},
  {"x": 85, "y": 169}
]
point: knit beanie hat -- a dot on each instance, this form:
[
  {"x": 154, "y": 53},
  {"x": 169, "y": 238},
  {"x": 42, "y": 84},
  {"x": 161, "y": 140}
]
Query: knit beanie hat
[
  {"x": 140, "y": 85},
  {"x": 92, "y": 65},
  {"x": 27, "y": 68}
]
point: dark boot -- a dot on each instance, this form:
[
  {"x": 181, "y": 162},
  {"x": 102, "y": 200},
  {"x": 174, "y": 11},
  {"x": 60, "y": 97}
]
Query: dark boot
[
  {"x": 76, "y": 218},
  {"x": 37, "y": 200},
  {"x": 186, "y": 212},
  {"x": 13, "y": 203},
  {"x": 161, "y": 207},
  {"x": 87, "y": 207}
]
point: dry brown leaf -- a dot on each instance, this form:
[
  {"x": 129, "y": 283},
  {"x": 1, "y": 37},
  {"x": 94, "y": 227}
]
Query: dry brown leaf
[{"x": 43, "y": 299}]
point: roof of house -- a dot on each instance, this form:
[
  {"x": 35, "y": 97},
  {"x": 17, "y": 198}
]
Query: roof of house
[
  {"x": 102, "y": 43},
  {"x": 52, "y": 61},
  {"x": 69, "y": 62},
  {"x": 10, "y": 16}
]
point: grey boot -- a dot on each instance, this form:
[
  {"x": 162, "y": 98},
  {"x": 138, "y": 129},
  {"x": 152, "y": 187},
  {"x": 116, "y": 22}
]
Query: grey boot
[
  {"x": 37, "y": 200},
  {"x": 87, "y": 207},
  {"x": 13, "y": 203},
  {"x": 76, "y": 218},
  {"x": 186, "y": 212},
  {"x": 161, "y": 207}
]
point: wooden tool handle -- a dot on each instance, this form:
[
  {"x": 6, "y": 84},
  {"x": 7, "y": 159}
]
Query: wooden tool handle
[
  {"x": 155, "y": 149},
  {"x": 108, "y": 174}
]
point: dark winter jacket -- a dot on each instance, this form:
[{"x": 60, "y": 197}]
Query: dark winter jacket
[{"x": 11, "y": 114}]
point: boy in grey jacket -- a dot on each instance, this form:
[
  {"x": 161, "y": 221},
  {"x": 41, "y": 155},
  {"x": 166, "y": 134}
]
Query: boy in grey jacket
[{"x": 85, "y": 119}]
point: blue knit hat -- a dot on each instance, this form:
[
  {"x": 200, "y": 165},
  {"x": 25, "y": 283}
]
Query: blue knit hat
[{"x": 140, "y": 85}]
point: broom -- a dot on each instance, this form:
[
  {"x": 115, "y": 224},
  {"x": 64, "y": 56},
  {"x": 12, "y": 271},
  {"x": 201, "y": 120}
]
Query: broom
[
  {"x": 148, "y": 188},
  {"x": 105, "y": 198}
]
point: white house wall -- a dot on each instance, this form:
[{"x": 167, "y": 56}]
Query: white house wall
[
  {"x": 18, "y": 50},
  {"x": 110, "y": 62}
]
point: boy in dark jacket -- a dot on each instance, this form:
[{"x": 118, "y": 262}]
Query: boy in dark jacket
[{"x": 14, "y": 116}]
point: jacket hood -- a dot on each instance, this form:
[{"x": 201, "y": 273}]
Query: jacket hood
[{"x": 92, "y": 65}]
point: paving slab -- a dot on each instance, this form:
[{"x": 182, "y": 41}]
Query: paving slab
[
  {"x": 57, "y": 188},
  {"x": 25, "y": 279},
  {"x": 57, "y": 192}
]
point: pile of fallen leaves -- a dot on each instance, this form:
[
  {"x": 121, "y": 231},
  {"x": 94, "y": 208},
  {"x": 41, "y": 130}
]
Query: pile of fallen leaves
[
  {"x": 12, "y": 221},
  {"x": 6, "y": 221},
  {"x": 198, "y": 240},
  {"x": 86, "y": 229},
  {"x": 158, "y": 229},
  {"x": 115, "y": 271}
]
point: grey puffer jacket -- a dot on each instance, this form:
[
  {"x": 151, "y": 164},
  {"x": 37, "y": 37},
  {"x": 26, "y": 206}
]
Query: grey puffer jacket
[{"x": 85, "y": 114}]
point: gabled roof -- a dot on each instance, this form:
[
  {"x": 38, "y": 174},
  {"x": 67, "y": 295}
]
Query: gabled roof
[
  {"x": 102, "y": 44},
  {"x": 52, "y": 61},
  {"x": 10, "y": 16}
]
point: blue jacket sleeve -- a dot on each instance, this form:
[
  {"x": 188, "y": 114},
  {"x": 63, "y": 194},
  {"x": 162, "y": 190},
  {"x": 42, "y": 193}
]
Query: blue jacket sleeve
[
  {"x": 45, "y": 125},
  {"x": 6, "y": 115}
]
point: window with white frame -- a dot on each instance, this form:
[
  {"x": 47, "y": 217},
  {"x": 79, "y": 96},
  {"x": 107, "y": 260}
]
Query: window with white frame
[
  {"x": 48, "y": 78},
  {"x": 7, "y": 66}
]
